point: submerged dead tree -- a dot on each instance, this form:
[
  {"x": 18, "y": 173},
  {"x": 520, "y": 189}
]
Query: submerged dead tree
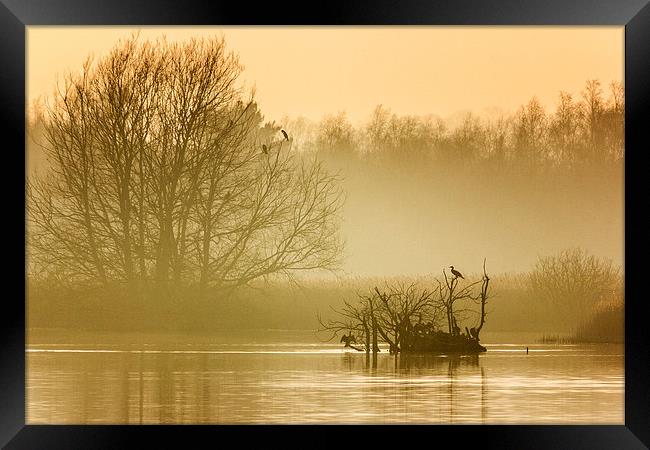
[
  {"x": 409, "y": 318},
  {"x": 449, "y": 294},
  {"x": 483, "y": 297},
  {"x": 402, "y": 308},
  {"x": 351, "y": 318},
  {"x": 386, "y": 315}
]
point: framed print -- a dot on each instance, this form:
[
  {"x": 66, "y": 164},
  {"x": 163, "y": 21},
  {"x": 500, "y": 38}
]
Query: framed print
[{"x": 243, "y": 218}]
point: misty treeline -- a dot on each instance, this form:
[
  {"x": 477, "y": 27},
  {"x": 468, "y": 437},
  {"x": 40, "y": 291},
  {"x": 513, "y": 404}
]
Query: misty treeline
[
  {"x": 585, "y": 128},
  {"x": 161, "y": 177},
  {"x": 413, "y": 316},
  {"x": 586, "y": 301}
]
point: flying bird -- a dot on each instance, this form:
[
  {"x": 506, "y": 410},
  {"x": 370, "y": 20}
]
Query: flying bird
[
  {"x": 456, "y": 273},
  {"x": 265, "y": 150},
  {"x": 286, "y": 136}
]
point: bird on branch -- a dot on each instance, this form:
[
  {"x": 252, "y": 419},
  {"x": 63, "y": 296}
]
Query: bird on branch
[
  {"x": 265, "y": 150},
  {"x": 456, "y": 273},
  {"x": 286, "y": 136},
  {"x": 348, "y": 339}
]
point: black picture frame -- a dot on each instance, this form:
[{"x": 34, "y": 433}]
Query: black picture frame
[{"x": 16, "y": 15}]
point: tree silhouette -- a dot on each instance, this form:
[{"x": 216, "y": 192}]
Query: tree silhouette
[
  {"x": 574, "y": 281},
  {"x": 156, "y": 178}
]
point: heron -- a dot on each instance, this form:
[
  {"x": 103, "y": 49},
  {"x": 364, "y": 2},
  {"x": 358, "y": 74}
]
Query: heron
[
  {"x": 286, "y": 136},
  {"x": 456, "y": 273}
]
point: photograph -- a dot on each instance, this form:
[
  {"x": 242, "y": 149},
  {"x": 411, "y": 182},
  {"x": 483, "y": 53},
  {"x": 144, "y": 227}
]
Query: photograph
[{"x": 419, "y": 225}]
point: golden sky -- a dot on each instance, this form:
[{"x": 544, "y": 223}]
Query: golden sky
[{"x": 310, "y": 71}]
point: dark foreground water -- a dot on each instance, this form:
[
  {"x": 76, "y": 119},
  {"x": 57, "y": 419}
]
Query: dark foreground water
[{"x": 291, "y": 377}]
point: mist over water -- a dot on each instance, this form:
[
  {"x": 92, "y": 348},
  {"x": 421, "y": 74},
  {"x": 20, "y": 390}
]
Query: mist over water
[
  {"x": 281, "y": 377},
  {"x": 412, "y": 223}
]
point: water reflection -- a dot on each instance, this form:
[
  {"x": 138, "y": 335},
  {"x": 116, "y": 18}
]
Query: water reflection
[{"x": 575, "y": 385}]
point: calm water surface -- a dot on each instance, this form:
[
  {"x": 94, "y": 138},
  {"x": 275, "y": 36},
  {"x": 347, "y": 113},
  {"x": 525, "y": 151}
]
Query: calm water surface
[{"x": 292, "y": 377}]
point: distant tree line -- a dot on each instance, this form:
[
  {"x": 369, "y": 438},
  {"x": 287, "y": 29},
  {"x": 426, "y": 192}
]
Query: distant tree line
[
  {"x": 583, "y": 129},
  {"x": 522, "y": 302}
]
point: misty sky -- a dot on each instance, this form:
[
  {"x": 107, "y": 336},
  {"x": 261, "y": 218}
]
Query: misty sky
[
  {"x": 312, "y": 71},
  {"x": 309, "y": 71}
]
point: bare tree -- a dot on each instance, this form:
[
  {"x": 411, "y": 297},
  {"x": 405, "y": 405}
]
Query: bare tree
[
  {"x": 574, "y": 282},
  {"x": 614, "y": 122},
  {"x": 408, "y": 317},
  {"x": 161, "y": 175},
  {"x": 530, "y": 133},
  {"x": 451, "y": 293},
  {"x": 335, "y": 138},
  {"x": 394, "y": 314},
  {"x": 565, "y": 130},
  {"x": 497, "y": 140},
  {"x": 482, "y": 298},
  {"x": 376, "y": 130},
  {"x": 352, "y": 318},
  {"x": 592, "y": 107},
  {"x": 468, "y": 139},
  {"x": 400, "y": 305}
]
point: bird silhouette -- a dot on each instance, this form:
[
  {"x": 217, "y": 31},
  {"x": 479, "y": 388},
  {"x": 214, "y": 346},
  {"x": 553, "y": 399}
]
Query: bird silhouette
[
  {"x": 456, "y": 273},
  {"x": 286, "y": 136},
  {"x": 265, "y": 150},
  {"x": 348, "y": 339}
]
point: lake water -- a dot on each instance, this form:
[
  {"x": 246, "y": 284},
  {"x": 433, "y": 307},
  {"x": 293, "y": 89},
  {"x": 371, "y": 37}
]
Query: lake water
[{"x": 291, "y": 377}]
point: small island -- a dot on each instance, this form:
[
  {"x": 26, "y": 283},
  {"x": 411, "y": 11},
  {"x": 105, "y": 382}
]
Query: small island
[{"x": 413, "y": 319}]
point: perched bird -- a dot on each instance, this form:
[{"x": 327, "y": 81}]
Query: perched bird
[
  {"x": 286, "y": 136},
  {"x": 348, "y": 339},
  {"x": 456, "y": 273},
  {"x": 265, "y": 150}
]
